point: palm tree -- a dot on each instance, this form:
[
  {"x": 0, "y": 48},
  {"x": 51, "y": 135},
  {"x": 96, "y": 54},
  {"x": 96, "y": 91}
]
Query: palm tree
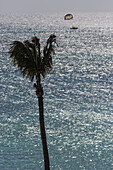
[{"x": 33, "y": 63}]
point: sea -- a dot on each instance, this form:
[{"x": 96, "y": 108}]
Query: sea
[{"x": 78, "y": 94}]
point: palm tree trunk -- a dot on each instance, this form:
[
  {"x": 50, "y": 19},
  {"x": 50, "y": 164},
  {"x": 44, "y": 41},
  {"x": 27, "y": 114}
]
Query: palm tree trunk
[
  {"x": 43, "y": 133},
  {"x": 39, "y": 93}
]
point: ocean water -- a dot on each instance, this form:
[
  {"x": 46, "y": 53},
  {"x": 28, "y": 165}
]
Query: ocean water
[{"x": 78, "y": 95}]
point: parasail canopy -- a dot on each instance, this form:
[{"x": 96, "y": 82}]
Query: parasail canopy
[{"x": 68, "y": 17}]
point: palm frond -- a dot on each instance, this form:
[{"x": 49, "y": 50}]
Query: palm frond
[
  {"x": 48, "y": 50},
  {"x": 34, "y": 45},
  {"x": 35, "y": 40},
  {"x": 22, "y": 56}
]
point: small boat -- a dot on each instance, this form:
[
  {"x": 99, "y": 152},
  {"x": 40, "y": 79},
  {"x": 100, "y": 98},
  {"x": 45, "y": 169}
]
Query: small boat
[{"x": 74, "y": 28}]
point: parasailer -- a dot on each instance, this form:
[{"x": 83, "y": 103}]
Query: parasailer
[{"x": 68, "y": 17}]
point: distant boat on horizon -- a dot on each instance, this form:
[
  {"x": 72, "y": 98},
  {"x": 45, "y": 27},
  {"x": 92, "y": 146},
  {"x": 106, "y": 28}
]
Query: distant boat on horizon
[{"x": 74, "y": 28}]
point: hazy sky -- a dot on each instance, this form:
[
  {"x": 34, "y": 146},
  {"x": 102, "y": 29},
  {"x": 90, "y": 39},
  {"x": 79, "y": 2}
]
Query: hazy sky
[{"x": 29, "y": 6}]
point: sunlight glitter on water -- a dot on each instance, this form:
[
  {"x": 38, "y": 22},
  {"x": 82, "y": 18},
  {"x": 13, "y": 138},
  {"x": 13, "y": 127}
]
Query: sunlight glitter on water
[{"x": 77, "y": 96}]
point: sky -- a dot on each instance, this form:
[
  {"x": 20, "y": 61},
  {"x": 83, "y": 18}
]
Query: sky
[{"x": 46, "y": 6}]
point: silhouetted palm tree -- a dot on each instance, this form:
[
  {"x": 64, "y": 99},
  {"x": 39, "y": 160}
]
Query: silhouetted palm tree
[{"x": 34, "y": 64}]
